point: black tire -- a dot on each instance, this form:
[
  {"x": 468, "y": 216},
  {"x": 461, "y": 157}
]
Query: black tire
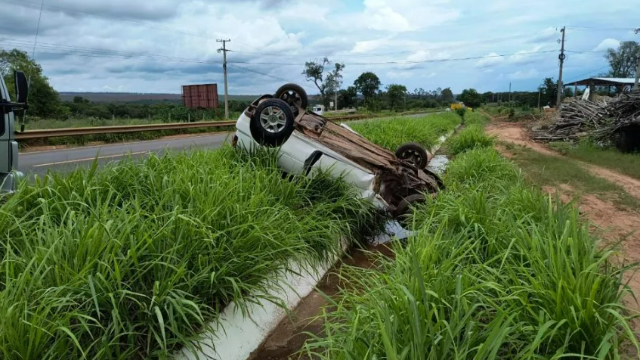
[
  {"x": 294, "y": 95},
  {"x": 272, "y": 123},
  {"x": 413, "y": 154},
  {"x": 403, "y": 210}
]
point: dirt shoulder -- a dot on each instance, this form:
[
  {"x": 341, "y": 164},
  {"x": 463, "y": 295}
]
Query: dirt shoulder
[
  {"x": 516, "y": 133},
  {"x": 611, "y": 222}
]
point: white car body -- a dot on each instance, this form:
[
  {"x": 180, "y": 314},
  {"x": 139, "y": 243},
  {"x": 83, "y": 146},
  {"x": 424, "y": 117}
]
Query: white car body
[{"x": 298, "y": 152}]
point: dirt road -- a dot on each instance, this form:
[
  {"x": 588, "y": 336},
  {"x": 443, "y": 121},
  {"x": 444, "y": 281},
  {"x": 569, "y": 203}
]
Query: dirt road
[{"x": 611, "y": 222}]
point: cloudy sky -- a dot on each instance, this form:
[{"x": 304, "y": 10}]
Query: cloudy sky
[{"x": 156, "y": 46}]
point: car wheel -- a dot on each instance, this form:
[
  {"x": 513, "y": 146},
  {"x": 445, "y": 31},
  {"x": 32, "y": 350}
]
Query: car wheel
[
  {"x": 272, "y": 123},
  {"x": 413, "y": 154},
  {"x": 403, "y": 210},
  {"x": 294, "y": 95}
]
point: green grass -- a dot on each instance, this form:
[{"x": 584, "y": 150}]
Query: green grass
[
  {"x": 393, "y": 132},
  {"x": 471, "y": 137},
  {"x": 497, "y": 270},
  {"x": 545, "y": 170},
  {"x": 628, "y": 164},
  {"x": 134, "y": 260},
  {"x": 384, "y": 112}
]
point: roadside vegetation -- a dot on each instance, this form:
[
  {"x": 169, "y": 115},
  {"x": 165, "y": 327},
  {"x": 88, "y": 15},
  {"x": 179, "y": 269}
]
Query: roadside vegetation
[
  {"x": 624, "y": 163},
  {"x": 393, "y": 132},
  {"x": 496, "y": 270},
  {"x": 115, "y": 137},
  {"x": 133, "y": 261},
  {"x": 546, "y": 170}
]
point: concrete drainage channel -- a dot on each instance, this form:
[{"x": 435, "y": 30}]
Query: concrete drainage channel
[{"x": 268, "y": 331}]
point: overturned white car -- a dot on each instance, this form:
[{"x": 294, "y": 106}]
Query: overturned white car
[{"x": 308, "y": 141}]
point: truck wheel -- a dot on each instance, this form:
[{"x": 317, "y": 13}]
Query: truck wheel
[
  {"x": 294, "y": 95},
  {"x": 403, "y": 210},
  {"x": 413, "y": 154},
  {"x": 272, "y": 123}
]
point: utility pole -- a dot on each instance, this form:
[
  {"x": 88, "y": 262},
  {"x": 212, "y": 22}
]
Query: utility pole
[
  {"x": 562, "y": 56},
  {"x": 636, "y": 86},
  {"x": 509, "y": 94},
  {"x": 539, "y": 93},
  {"x": 224, "y": 66}
]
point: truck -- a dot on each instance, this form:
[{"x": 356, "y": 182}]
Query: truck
[{"x": 9, "y": 174}]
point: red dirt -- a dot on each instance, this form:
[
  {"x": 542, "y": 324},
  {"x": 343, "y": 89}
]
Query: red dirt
[
  {"x": 515, "y": 133},
  {"x": 608, "y": 221},
  {"x": 288, "y": 338}
]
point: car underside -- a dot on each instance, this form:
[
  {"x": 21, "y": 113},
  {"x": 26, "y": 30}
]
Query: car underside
[{"x": 401, "y": 179}]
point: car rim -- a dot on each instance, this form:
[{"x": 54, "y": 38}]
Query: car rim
[
  {"x": 292, "y": 98},
  {"x": 273, "y": 119},
  {"x": 412, "y": 156}
]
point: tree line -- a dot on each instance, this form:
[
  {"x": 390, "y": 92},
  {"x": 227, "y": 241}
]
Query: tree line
[{"x": 366, "y": 91}]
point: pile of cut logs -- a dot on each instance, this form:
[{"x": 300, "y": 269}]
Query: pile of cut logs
[{"x": 598, "y": 120}]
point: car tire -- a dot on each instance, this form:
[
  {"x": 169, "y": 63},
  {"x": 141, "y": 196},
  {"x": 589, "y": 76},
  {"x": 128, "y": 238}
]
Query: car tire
[
  {"x": 294, "y": 95},
  {"x": 403, "y": 210},
  {"x": 413, "y": 154},
  {"x": 272, "y": 123}
]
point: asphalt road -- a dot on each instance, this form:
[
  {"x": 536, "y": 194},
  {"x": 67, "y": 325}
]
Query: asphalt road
[{"x": 38, "y": 163}]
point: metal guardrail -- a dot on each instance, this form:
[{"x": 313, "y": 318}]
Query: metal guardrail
[{"x": 50, "y": 133}]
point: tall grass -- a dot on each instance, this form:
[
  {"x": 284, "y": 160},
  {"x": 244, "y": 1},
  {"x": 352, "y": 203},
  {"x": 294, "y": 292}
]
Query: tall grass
[
  {"x": 391, "y": 133},
  {"x": 471, "y": 137},
  {"x": 497, "y": 270},
  {"x": 134, "y": 260}
]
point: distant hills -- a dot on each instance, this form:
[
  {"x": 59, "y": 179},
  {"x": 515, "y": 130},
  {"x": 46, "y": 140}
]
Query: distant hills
[{"x": 110, "y": 97}]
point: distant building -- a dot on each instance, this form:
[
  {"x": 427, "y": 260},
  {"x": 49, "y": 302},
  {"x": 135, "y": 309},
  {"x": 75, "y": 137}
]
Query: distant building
[
  {"x": 620, "y": 84},
  {"x": 203, "y": 96}
]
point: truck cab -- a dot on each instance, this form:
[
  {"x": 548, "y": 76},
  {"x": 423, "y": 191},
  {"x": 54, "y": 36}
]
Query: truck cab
[{"x": 9, "y": 176}]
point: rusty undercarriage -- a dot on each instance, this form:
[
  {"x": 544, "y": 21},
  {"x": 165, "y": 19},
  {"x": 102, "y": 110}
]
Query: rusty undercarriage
[{"x": 398, "y": 182}]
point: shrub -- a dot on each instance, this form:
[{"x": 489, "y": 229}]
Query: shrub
[
  {"x": 461, "y": 112},
  {"x": 470, "y": 138}
]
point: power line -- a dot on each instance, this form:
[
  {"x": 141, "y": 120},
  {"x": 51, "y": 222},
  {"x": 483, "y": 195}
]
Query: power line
[
  {"x": 52, "y": 8},
  {"x": 258, "y": 72},
  {"x": 579, "y": 77},
  {"x": 97, "y": 52},
  {"x": 406, "y": 62},
  {"x": 458, "y": 46},
  {"x": 599, "y": 28}
]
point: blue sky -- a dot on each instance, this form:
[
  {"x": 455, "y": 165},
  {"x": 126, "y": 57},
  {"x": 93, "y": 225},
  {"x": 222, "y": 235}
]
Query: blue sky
[{"x": 157, "y": 46}]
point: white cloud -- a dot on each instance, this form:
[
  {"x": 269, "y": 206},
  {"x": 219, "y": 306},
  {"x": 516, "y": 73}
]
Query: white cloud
[
  {"x": 490, "y": 60},
  {"x": 523, "y": 75},
  {"x": 607, "y": 44},
  {"x": 406, "y": 15},
  {"x": 276, "y": 37},
  {"x": 382, "y": 17}
]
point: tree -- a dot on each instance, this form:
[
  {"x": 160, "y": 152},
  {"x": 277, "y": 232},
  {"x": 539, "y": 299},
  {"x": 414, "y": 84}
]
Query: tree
[
  {"x": 549, "y": 92},
  {"x": 367, "y": 84},
  {"x": 327, "y": 85},
  {"x": 623, "y": 60},
  {"x": 568, "y": 92},
  {"x": 43, "y": 99},
  {"x": 348, "y": 98},
  {"x": 471, "y": 97},
  {"x": 397, "y": 95},
  {"x": 334, "y": 80},
  {"x": 447, "y": 96}
]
